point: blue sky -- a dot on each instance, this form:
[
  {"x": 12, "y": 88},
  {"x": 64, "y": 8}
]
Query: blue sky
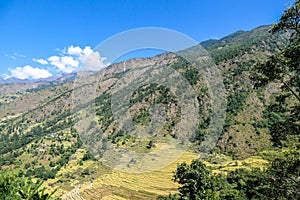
[{"x": 40, "y": 38}]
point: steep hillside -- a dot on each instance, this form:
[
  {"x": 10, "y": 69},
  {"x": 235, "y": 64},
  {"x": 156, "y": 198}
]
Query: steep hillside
[
  {"x": 236, "y": 54},
  {"x": 58, "y": 131}
]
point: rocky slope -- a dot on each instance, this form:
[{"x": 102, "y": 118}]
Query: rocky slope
[{"x": 54, "y": 131}]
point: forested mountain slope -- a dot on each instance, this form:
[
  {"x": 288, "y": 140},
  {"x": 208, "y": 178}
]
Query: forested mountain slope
[{"x": 42, "y": 123}]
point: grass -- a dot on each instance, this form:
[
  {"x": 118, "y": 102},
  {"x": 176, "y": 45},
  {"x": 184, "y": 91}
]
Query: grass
[
  {"x": 106, "y": 183},
  {"x": 148, "y": 185},
  {"x": 251, "y": 162}
]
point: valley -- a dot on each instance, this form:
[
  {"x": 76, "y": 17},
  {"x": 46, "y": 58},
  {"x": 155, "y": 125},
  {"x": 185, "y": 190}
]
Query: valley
[{"x": 67, "y": 133}]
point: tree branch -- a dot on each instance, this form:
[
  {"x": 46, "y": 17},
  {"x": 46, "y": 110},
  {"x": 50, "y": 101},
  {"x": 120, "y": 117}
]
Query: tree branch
[{"x": 291, "y": 90}]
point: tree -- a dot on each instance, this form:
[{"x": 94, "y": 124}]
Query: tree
[
  {"x": 195, "y": 180},
  {"x": 279, "y": 181},
  {"x": 88, "y": 156},
  {"x": 285, "y": 65},
  {"x": 283, "y": 180}
]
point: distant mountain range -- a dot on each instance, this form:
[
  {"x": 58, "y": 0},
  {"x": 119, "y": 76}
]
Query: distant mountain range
[{"x": 49, "y": 79}]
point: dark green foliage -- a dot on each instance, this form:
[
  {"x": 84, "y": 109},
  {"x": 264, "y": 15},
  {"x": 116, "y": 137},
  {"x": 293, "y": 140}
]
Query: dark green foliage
[
  {"x": 155, "y": 94},
  {"x": 282, "y": 121},
  {"x": 248, "y": 183},
  {"x": 180, "y": 64},
  {"x": 88, "y": 156},
  {"x": 192, "y": 75},
  {"x": 8, "y": 186},
  {"x": 51, "y": 164},
  {"x": 143, "y": 117},
  {"x": 235, "y": 103},
  {"x": 44, "y": 173},
  {"x": 41, "y": 173},
  {"x": 195, "y": 181},
  {"x": 290, "y": 19},
  {"x": 65, "y": 157},
  {"x": 283, "y": 177},
  {"x": 231, "y": 194},
  {"x": 118, "y": 136},
  {"x": 10, "y": 144},
  {"x": 279, "y": 181},
  {"x": 164, "y": 94},
  {"x": 103, "y": 109},
  {"x": 150, "y": 144},
  {"x": 188, "y": 71},
  {"x": 201, "y": 132},
  {"x": 240, "y": 43},
  {"x": 13, "y": 187},
  {"x": 283, "y": 66}
]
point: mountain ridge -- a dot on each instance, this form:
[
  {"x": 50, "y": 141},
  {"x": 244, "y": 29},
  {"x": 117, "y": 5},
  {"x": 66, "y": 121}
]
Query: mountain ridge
[
  {"x": 41, "y": 130},
  {"x": 205, "y": 44}
]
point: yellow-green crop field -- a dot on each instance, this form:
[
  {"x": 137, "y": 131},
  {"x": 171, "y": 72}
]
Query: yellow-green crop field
[{"x": 107, "y": 183}]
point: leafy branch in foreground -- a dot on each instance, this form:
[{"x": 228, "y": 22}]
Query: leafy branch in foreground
[
  {"x": 285, "y": 65},
  {"x": 13, "y": 187}
]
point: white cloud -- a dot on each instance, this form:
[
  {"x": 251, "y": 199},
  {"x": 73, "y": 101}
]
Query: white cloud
[
  {"x": 65, "y": 63},
  {"x": 74, "y": 57},
  {"x": 27, "y": 72},
  {"x": 91, "y": 60},
  {"x": 87, "y": 51},
  {"x": 74, "y": 50},
  {"x": 67, "y": 60},
  {"x": 94, "y": 62},
  {"x": 41, "y": 61}
]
